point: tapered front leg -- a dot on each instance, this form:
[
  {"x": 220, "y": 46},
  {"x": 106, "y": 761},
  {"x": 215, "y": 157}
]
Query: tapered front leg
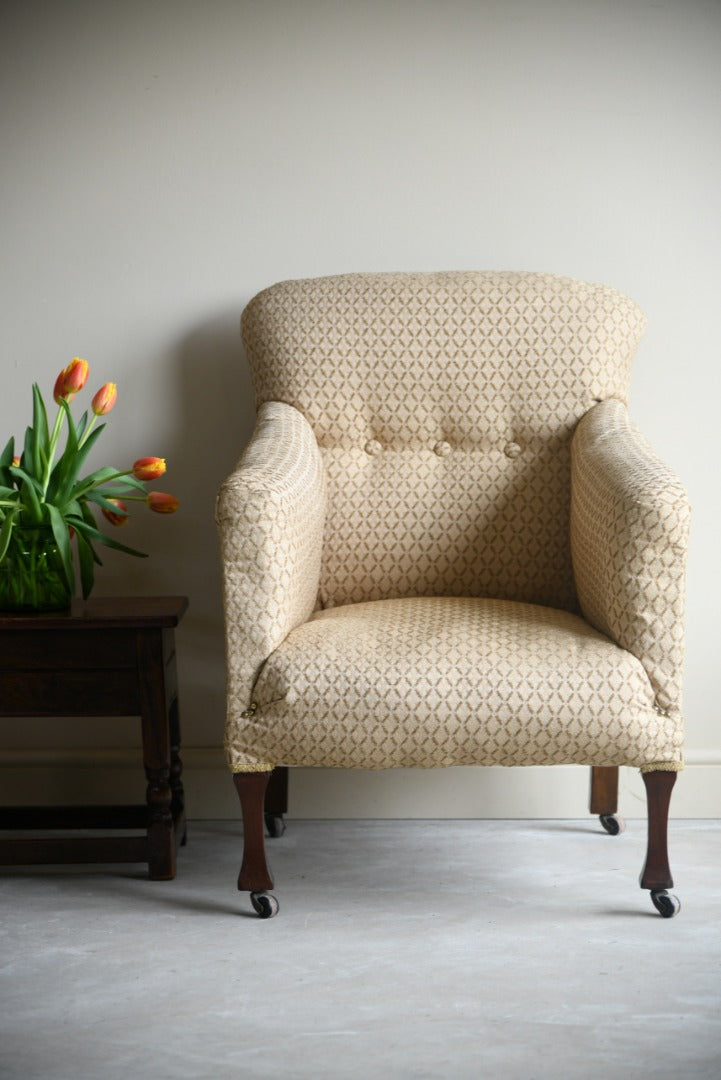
[
  {"x": 254, "y": 873},
  {"x": 656, "y": 874}
]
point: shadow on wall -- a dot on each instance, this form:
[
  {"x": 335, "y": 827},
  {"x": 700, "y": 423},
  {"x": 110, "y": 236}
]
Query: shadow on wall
[
  {"x": 212, "y": 422},
  {"x": 217, "y": 421}
]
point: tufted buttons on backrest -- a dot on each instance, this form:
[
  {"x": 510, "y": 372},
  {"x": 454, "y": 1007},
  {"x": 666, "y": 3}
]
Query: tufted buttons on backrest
[{"x": 444, "y": 404}]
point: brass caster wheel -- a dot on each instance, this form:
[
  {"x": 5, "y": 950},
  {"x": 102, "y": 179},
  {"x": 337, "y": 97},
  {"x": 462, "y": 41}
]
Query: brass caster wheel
[
  {"x": 264, "y": 904},
  {"x": 666, "y": 904},
  {"x": 275, "y": 825},
  {"x": 612, "y": 823}
]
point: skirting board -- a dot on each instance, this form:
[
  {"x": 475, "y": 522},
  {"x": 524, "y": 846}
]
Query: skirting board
[{"x": 561, "y": 791}]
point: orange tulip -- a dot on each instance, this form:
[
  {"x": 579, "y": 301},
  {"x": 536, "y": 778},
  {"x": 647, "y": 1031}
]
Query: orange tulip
[
  {"x": 116, "y": 519},
  {"x": 105, "y": 398},
  {"x": 71, "y": 379},
  {"x": 162, "y": 503},
  {"x": 149, "y": 468},
  {"x": 16, "y": 461}
]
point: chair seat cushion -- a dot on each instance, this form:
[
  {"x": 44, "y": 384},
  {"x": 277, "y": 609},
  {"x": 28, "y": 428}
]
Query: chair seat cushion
[{"x": 437, "y": 681}]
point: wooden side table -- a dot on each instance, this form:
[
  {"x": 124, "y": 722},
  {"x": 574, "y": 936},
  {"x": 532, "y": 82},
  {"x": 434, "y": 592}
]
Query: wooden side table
[{"x": 111, "y": 656}]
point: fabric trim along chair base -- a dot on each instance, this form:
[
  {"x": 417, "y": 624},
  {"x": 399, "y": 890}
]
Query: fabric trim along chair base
[
  {"x": 252, "y": 767},
  {"x": 663, "y": 766}
]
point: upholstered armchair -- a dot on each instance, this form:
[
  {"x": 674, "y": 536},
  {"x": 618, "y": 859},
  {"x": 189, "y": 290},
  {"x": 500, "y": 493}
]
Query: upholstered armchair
[{"x": 446, "y": 544}]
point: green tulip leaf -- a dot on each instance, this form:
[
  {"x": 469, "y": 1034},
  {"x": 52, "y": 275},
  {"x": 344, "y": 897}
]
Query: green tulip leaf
[
  {"x": 104, "y": 503},
  {"x": 82, "y": 424},
  {"x": 62, "y": 539},
  {"x": 40, "y": 421},
  {"x": 64, "y": 475},
  {"x": 124, "y": 484},
  {"x": 94, "y": 480},
  {"x": 30, "y": 493},
  {"x": 6, "y": 533},
  {"x": 87, "y": 560},
  {"x": 31, "y": 458},
  {"x": 91, "y": 532},
  {"x": 18, "y": 470},
  {"x": 6, "y": 458}
]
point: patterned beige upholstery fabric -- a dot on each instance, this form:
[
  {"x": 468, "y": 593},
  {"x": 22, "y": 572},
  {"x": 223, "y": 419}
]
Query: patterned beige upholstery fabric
[
  {"x": 271, "y": 514},
  {"x": 444, "y": 405},
  {"x": 629, "y": 536},
  {"x": 435, "y": 413},
  {"x": 430, "y": 681}
]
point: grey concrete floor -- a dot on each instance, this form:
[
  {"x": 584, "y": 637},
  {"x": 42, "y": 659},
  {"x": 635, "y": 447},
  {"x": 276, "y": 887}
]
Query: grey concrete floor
[{"x": 402, "y": 950}]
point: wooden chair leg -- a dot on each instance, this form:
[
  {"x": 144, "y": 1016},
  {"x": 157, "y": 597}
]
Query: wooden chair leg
[
  {"x": 254, "y": 873},
  {"x": 604, "y": 798},
  {"x": 276, "y": 801},
  {"x": 656, "y": 873},
  {"x": 604, "y": 789}
]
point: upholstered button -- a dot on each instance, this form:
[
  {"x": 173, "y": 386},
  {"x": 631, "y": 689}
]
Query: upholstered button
[
  {"x": 443, "y": 449},
  {"x": 373, "y": 447},
  {"x": 511, "y": 449}
]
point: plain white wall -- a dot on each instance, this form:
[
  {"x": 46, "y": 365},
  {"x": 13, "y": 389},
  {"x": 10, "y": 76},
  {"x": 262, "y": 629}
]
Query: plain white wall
[{"x": 163, "y": 160}]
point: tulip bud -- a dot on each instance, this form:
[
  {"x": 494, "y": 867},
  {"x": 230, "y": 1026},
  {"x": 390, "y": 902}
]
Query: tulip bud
[
  {"x": 162, "y": 503},
  {"x": 149, "y": 468},
  {"x": 58, "y": 388},
  {"x": 16, "y": 461},
  {"x": 71, "y": 379},
  {"x": 104, "y": 400},
  {"x": 116, "y": 519}
]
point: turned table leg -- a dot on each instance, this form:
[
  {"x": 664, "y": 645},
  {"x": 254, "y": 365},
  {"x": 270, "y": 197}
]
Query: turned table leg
[{"x": 155, "y": 722}]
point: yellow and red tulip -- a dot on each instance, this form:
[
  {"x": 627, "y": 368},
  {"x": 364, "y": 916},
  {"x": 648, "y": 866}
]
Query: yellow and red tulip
[
  {"x": 58, "y": 388},
  {"x": 116, "y": 519},
  {"x": 105, "y": 399},
  {"x": 42, "y": 488},
  {"x": 148, "y": 468},
  {"x": 161, "y": 503},
  {"x": 71, "y": 379}
]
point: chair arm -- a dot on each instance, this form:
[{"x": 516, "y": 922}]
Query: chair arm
[
  {"x": 270, "y": 513},
  {"x": 629, "y": 540}
]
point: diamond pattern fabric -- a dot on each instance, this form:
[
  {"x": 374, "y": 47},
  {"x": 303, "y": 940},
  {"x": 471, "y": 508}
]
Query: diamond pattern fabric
[
  {"x": 430, "y": 681},
  {"x": 444, "y": 406},
  {"x": 629, "y": 536},
  {"x": 271, "y": 514},
  {"x": 446, "y": 543}
]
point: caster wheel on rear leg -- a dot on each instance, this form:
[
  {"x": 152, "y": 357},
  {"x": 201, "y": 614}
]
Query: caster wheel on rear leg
[
  {"x": 612, "y": 823},
  {"x": 275, "y": 825},
  {"x": 264, "y": 904},
  {"x": 666, "y": 904}
]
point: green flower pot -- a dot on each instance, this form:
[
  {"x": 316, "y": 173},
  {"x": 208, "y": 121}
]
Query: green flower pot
[{"x": 32, "y": 577}]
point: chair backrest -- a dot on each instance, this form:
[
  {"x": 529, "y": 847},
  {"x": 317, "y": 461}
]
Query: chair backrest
[{"x": 444, "y": 405}]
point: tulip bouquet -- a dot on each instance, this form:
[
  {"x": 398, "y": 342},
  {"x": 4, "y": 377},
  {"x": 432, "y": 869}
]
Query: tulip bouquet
[{"x": 44, "y": 503}]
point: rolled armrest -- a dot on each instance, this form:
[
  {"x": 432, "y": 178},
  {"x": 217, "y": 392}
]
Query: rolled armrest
[
  {"x": 270, "y": 514},
  {"x": 629, "y": 539}
]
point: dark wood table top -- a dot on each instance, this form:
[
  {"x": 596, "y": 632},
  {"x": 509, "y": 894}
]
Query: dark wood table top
[{"x": 102, "y": 612}]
